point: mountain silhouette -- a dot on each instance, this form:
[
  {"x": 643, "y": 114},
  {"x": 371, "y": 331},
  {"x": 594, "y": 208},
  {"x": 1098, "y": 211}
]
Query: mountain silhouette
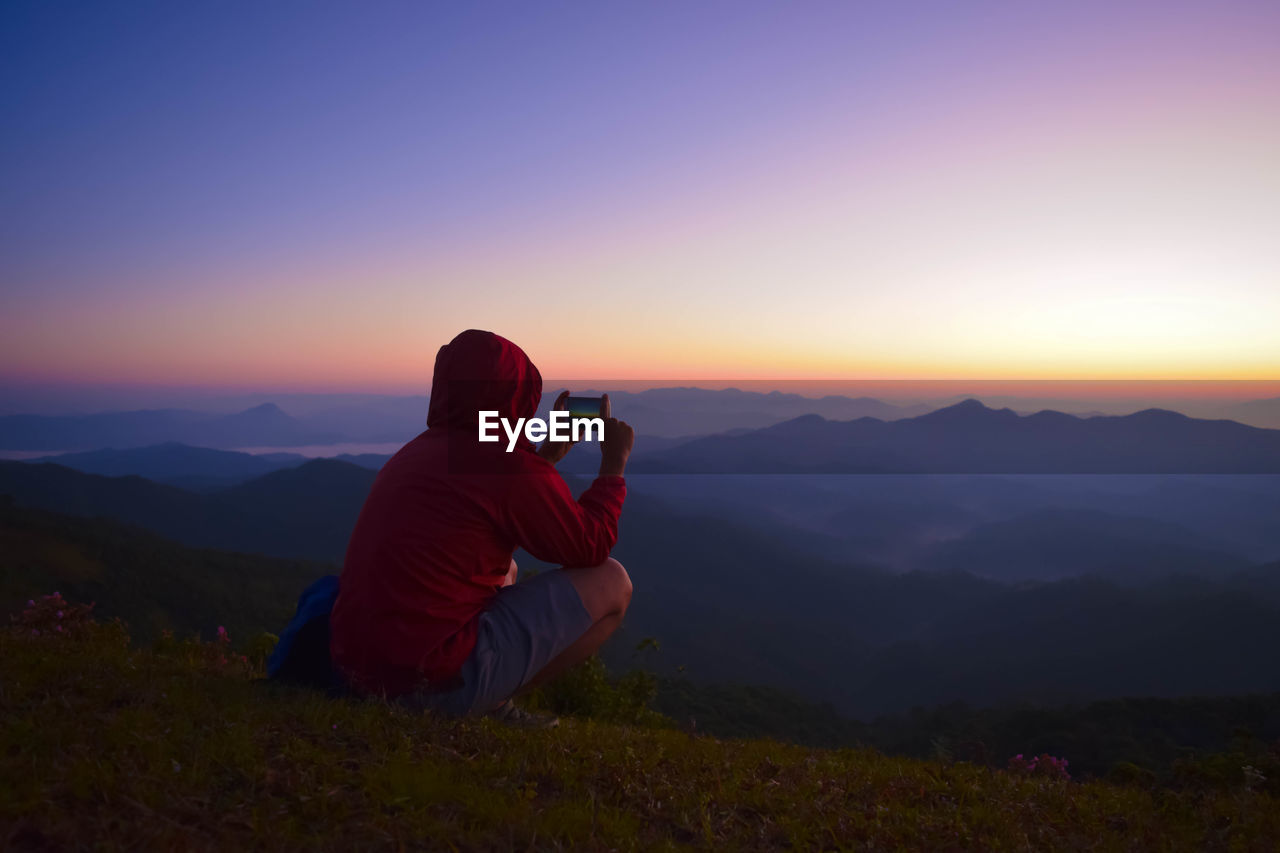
[{"x": 974, "y": 439}]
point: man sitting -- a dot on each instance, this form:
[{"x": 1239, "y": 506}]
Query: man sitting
[{"x": 427, "y": 608}]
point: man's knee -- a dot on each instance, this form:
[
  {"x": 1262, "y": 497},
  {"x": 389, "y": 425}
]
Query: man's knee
[
  {"x": 619, "y": 583},
  {"x": 605, "y": 589}
]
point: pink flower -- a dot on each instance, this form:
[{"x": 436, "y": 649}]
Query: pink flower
[
  {"x": 1043, "y": 764},
  {"x": 31, "y": 603},
  {"x": 59, "y": 614},
  {"x": 57, "y": 628}
]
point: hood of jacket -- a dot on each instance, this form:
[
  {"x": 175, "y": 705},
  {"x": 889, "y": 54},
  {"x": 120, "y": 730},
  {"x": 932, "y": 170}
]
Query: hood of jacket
[{"x": 480, "y": 371}]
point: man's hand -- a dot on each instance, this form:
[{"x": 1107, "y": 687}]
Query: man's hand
[
  {"x": 554, "y": 451},
  {"x": 619, "y": 438}
]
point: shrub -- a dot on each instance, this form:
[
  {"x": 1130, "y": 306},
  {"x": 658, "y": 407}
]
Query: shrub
[
  {"x": 587, "y": 690},
  {"x": 52, "y": 616}
]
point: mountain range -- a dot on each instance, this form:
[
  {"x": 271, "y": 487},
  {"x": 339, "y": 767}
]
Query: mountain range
[
  {"x": 965, "y": 438},
  {"x": 662, "y": 413},
  {"x": 686, "y": 411},
  {"x": 658, "y": 413},
  {"x": 973, "y": 439}
]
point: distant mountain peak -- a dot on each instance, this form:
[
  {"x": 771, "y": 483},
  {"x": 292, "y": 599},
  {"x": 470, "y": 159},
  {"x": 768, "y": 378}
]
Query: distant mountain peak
[
  {"x": 1052, "y": 415},
  {"x": 967, "y": 410},
  {"x": 265, "y": 409},
  {"x": 1160, "y": 415}
]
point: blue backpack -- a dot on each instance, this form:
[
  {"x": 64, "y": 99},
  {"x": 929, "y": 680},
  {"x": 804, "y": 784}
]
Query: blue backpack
[{"x": 302, "y": 654}]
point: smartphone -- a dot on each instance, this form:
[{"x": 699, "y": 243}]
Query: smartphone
[{"x": 584, "y": 407}]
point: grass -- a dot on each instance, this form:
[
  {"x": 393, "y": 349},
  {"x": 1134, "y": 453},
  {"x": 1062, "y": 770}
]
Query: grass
[{"x": 182, "y": 746}]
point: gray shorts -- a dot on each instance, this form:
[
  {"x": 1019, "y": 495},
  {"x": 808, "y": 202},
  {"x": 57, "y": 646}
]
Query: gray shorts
[{"x": 518, "y": 633}]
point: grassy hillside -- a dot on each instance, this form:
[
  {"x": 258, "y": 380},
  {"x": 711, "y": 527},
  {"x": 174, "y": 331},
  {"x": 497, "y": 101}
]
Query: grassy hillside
[{"x": 178, "y": 747}]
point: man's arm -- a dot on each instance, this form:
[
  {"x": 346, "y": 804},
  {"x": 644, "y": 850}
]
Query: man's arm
[{"x": 545, "y": 520}]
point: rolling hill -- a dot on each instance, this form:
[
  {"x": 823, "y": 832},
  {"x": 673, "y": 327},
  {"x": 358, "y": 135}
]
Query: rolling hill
[
  {"x": 151, "y": 582},
  {"x": 304, "y": 512},
  {"x": 175, "y": 463}
]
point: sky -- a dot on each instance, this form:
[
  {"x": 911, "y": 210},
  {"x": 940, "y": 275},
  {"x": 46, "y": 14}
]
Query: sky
[{"x": 315, "y": 197}]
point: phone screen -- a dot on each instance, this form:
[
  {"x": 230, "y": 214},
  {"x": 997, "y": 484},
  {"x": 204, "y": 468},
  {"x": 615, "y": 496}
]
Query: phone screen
[{"x": 583, "y": 407}]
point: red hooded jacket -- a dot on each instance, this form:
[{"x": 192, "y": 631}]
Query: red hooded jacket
[{"x": 435, "y": 537}]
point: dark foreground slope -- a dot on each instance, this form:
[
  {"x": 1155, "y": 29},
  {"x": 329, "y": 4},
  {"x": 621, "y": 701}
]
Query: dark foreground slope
[
  {"x": 1166, "y": 741},
  {"x": 110, "y": 747}
]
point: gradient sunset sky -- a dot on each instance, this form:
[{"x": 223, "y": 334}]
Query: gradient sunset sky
[{"x": 301, "y": 196}]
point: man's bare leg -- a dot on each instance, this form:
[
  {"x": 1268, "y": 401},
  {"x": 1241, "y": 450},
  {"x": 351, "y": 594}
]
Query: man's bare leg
[{"x": 605, "y": 591}]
